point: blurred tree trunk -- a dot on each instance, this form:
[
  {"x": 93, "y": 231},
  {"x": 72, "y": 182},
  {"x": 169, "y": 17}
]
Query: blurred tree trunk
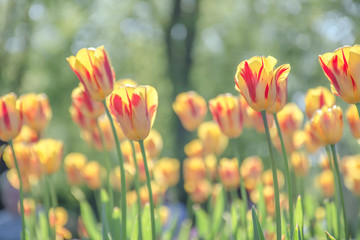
[{"x": 179, "y": 53}]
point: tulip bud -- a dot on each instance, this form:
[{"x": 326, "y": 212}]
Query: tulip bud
[
  {"x": 11, "y": 118},
  {"x": 316, "y": 98}
]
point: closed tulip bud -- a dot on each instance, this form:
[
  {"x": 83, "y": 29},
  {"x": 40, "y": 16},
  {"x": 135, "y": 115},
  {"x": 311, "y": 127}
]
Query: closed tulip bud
[
  {"x": 11, "y": 119},
  {"x": 341, "y": 67},
  {"x": 290, "y": 118},
  {"x": 257, "y": 121},
  {"x": 227, "y": 113},
  {"x": 94, "y": 70},
  {"x": 214, "y": 141},
  {"x": 49, "y": 153},
  {"x": 194, "y": 169},
  {"x": 36, "y": 110},
  {"x": 354, "y": 121},
  {"x": 26, "y": 135},
  {"x": 229, "y": 173},
  {"x": 251, "y": 171},
  {"x": 198, "y": 191},
  {"x": 328, "y": 124},
  {"x": 260, "y": 84},
  {"x": 80, "y": 119},
  {"x": 191, "y": 109},
  {"x": 73, "y": 165},
  {"x": 92, "y": 174},
  {"x": 167, "y": 171},
  {"x": 300, "y": 163},
  {"x": 316, "y": 98},
  {"x": 326, "y": 182},
  {"x": 194, "y": 148},
  {"x": 134, "y": 108},
  {"x": 115, "y": 176},
  {"x": 89, "y": 107}
]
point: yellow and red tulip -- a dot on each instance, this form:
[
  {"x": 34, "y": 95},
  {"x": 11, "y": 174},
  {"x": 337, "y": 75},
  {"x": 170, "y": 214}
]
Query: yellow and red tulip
[
  {"x": 227, "y": 113},
  {"x": 251, "y": 171},
  {"x": 229, "y": 173},
  {"x": 300, "y": 163},
  {"x": 80, "y": 119},
  {"x": 214, "y": 141},
  {"x": 198, "y": 191},
  {"x": 73, "y": 165},
  {"x": 167, "y": 171},
  {"x": 191, "y": 109},
  {"x": 49, "y": 153},
  {"x": 134, "y": 108},
  {"x": 93, "y": 68},
  {"x": 93, "y": 174},
  {"x": 195, "y": 148},
  {"x": 194, "y": 169},
  {"x": 260, "y": 84},
  {"x": 257, "y": 122},
  {"x": 316, "y": 98},
  {"x": 27, "y": 135},
  {"x": 352, "y": 117},
  {"x": 89, "y": 107},
  {"x": 11, "y": 118},
  {"x": 341, "y": 67},
  {"x": 115, "y": 176},
  {"x": 326, "y": 183}
]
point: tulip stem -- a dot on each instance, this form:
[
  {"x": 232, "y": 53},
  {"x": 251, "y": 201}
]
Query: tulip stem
[
  {"x": 274, "y": 173},
  {"x": 358, "y": 108},
  {"x": 107, "y": 164},
  {"x": 148, "y": 183},
  {"x": 21, "y": 193},
  {"x": 287, "y": 176},
  {"x": 137, "y": 186},
  {"x": 122, "y": 174},
  {"x": 242, "y": 188},
  {"x": 337, "y": 171}
]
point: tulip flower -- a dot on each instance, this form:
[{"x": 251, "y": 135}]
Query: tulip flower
[
  {"x": 134, "y": 108},
  {"x": 300, "y": 163},
  {"x": 316, "y": 98},
  {"x": 326, "y": 119},
  {"x": 290, "y": 118},
  {"x": 352, "y": 117},
  {"x": 58, "y": 217},
  {"x": 214, "y": 141},
  {"x": 89, "y": 107},
  {"x": 351, "y": 171},
  {"x": 26, "y": 135},
  {"x": 36, "y": 110},
  {"x": 157, "y": 193},
  {"x": 251, "y": 171},
  {"x": 198, "y": 191},
  {"x": 341, "y": 67},
  {"x": 80, "y": 119},
  {"x": 11, "y": 118},
  {"x": 194, "y": 169},
  {"x": 227, "y": 113},
  {"x": 153, "y": 144},
  {"x": 261, "y": 85},
  {"x": 94, "y": 70},
  {"x": 326, "y": 182},
  {"x": 167, "y": 171},
  {"x": 73, "y": 165},
  {"x": 49, "y": 153},
  {"x": 229, "y": 173},
  {"x": 191, "y": 109},
  {"x": 195, "y": 148},
  {"x": 92, "y": 174},
  {"x": 257, "y": 122},
  {"x": 268, "y": 179}
]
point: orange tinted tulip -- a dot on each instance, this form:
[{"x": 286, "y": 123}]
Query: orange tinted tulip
[
  {"x": 94, "y": 70},
  {"x": 73, "y": 165},
  {"x": 115, "y": 176},
  {"x": 326, "y": 182},
  {"x": 167, "y": 171},
  {"x": 259, "y": 83},
  {"x": 194, "y": 169},
  {"x": 92, "y": 174},
  {"x": 134, "y": 108},
  {"x": 328, "y": 124},
  {"x": 316, "y": 98},
  {"x": 342, "y": 68},
  {"x": 227, "y": 113},
  {"x": 199, "y": 191},
  {"x": 89, "y": 107},
  {"x": 11, "y": 119},
  {"x": 229, "y": 173},
  {"x": 214, "y": 141},
  {"x": 257, "y": 121},
  {"x": 290, "y": 118},
  {"x": 27, "y": 135},
  {"x": 354, "y": 121},
  {"x": 300, "y": 163},
  {"x": 194, "y": 148},
  {"x": 312, "y": 140},
  {"x": 251, "y": 170},
  {"x": 49, "y": 153},
  {"x": 191, "y": 109},
  {"x": 80, "y": 119}
]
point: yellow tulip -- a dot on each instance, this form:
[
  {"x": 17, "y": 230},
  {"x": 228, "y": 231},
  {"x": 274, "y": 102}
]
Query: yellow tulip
[
  {"x": 316, "y": 98},
  {"x": 11, "y": 119}
]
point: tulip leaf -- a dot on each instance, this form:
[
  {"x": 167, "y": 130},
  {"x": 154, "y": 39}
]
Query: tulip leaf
[
  {"x": 297, "y": 233},
  {"x": 89, "y": 220},
  {"x": 169, "y": 233},
  {"x": 298, "y": 217},
  {"x": 135, "y": 229},
  {"x": 202, "y": 222},
  {"x": 116, "y": 222},
  {"x": 331, "y": 218},
  {"x": 218, "y": 211},
  {"x": 42, "y": 230},
  {"x": 146, "y": 223},
  {"x": 261, "y": 204},
  {"x": 258, "y": 233},
  {"x": 106, "y": 220},
  {"x": 328, "y": 236},
  {"x": 184, "y": 233},
  {"x": 235, "y": 208}
]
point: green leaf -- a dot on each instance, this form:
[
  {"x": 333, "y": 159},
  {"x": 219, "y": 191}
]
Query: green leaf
[
  {"x": 261, "y": 204},
  {"x": 135, "y": 229},
  {"x": 116, "y": 223},
  {"x": 146, "y": 223},
  {"x": 299, "y": 217},
  {"x": 328, "y": 236},
  {"x": 218, "y": 212},
  {"x": 106, "y": 218},
  {"x": 169, "y": 233},
  {"x": 89, "y": 220},
  {"x": 258, "y": 233},
  {"x": 297, "y": 234},
  {"x": 331, "y": 218},
  {"x": 235, "y": 208},
  {"x": 42, "y": 230},
  {"x": 185, "y": 230},
  {"x": 202, "y": 222}
]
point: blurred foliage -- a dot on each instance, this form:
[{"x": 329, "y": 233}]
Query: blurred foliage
[{"x": 175, "y": 46}]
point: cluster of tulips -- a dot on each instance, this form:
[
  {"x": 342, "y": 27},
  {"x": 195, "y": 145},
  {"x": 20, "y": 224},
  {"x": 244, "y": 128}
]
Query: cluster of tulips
[{"x": 130, "y": 192}]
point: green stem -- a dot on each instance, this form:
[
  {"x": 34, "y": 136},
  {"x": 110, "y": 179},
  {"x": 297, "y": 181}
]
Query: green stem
[
  {"x": 122, "y": 174},
  {"x": 107, "y": 164},
  {"x": 358, "y": 108},
  {"x": 242, "y": 189},
  {"x": 48, "y": 204},
  {"x": 287, "y": 176},
  {"x": 21, "y": 192},
  {"x": 336, "y": 196},
  {"x": 137, "y": 186},
  {"x": 274, "y": 173},
  {"x": 337, "y": 171},
  {"x": 148, "y": 183}
]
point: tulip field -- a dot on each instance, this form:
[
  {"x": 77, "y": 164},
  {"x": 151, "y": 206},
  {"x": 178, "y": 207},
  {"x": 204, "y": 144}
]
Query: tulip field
[{"x": 132, "y": 191}]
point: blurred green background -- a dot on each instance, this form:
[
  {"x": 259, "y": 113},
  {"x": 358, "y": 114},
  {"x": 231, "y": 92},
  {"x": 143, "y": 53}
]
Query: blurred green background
[{"x": 176, "y": 46}]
